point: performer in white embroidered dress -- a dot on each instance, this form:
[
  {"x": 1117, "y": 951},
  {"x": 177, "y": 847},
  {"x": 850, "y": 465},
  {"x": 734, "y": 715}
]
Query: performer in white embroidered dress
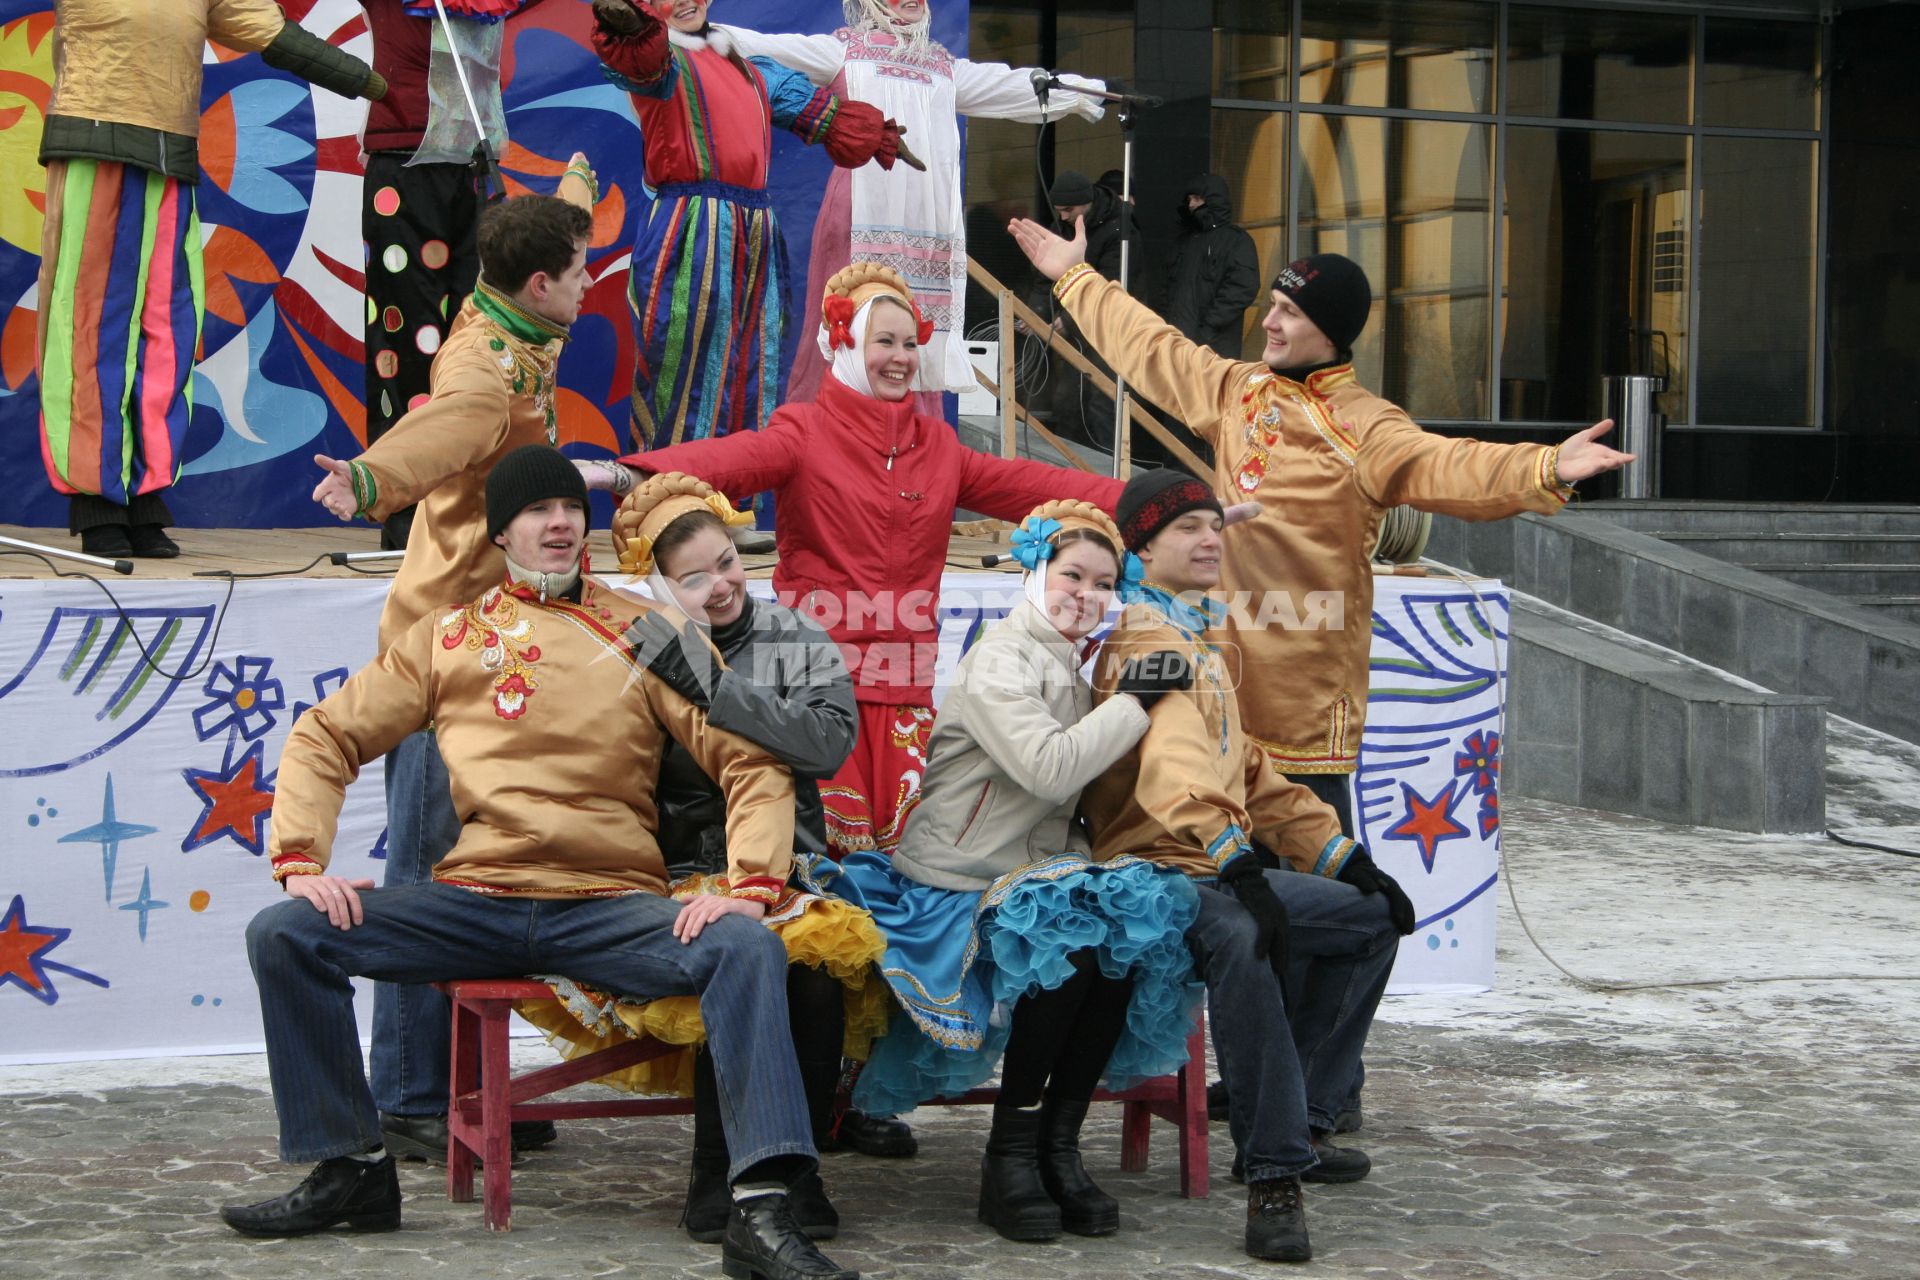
[{"x": 907, "y": 220}]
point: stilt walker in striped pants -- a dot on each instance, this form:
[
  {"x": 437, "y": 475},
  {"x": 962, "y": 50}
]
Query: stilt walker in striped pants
[{"x": 121, "y": 282}]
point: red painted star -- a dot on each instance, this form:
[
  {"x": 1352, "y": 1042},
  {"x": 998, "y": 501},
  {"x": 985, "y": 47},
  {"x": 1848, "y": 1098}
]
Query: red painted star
[
  {"x": 1428, "y": 821},
  {"x": 237, "y": 799},
  {"x": 21, "y": 945},
  {"x": 23, "y": 955}
]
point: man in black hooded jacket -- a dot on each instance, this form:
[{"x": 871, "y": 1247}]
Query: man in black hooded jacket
[{"x": 1216, "y": 270}]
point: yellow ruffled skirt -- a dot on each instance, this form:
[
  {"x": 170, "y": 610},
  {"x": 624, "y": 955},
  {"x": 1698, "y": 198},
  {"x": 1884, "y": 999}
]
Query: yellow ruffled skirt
[{"x": 820, "y": 931}]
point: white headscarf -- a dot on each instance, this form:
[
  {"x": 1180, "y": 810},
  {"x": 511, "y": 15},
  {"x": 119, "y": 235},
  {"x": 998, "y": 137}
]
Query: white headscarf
[
  {"x": 850, "y": 363},
  {"x": 878, "y": 15}
]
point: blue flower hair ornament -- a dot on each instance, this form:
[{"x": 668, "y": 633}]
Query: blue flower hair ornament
[{"x": 1031, "y": 545}]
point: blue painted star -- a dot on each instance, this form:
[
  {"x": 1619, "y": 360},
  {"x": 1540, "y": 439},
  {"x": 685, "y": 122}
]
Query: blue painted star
[
  {"x": 108, "y": 833},
  {"x": 146, "y": 903}
]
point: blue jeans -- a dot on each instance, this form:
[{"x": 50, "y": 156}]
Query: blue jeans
[
  {"x": 1287, "y": 1075},
  {"x": 435, "y": 932},
  {"x": 412, "y": 1024}
]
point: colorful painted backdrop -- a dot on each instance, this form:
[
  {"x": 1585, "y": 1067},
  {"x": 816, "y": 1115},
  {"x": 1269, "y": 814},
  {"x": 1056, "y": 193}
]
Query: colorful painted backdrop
[
  {"x": 135, "y": 795},
  {"x": 279, "y": 377}
]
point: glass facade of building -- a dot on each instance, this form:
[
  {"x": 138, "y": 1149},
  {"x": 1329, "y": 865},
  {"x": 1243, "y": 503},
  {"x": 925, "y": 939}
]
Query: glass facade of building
[{"x": 1542, "y": 194}]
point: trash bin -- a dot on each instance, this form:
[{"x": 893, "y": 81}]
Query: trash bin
[{"x": 1637, "y": 427}]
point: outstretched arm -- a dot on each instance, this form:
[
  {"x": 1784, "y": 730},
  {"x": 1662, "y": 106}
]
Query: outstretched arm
[
  {"x": 1475, "y": 479},
  {"x": 259, "y": 26},
  {"x": 743, "y": 463},
  {"x": 1162, "y": 363},
  {"x": 1008, "y": 488},
  {"x": 819, "y": 58},
  {"x": 852, "y": 132},
  {"x": 999, "y": 92}
]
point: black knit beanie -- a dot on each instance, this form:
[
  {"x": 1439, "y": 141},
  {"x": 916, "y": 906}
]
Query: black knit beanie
[
  {"x": 1332, "y": 291},
  {"x": 1153, "y": 500},
  {"x": 1070, "y": 188},
  {"x": 524, "y": 477}
]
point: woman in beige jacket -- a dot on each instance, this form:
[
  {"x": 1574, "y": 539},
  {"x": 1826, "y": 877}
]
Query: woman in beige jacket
[{"x": 1001, "y": 933}]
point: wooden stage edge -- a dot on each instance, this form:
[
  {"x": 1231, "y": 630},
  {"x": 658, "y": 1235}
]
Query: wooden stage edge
[{"x": 257, "y": 551}]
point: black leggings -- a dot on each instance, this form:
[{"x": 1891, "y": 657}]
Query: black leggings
[
  {"x": 816, "y": 1017},
  {"x": 1062, "y": 1038}
]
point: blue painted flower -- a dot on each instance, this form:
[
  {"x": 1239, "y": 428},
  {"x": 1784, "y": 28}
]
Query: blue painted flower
[
  {"x": 242, "y": 697},
  {"x": 1480, "y": 762}
]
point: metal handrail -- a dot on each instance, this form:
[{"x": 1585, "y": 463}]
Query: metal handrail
[{"x": 1012, "y": 413}]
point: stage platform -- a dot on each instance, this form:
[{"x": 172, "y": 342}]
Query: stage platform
[
  {"x": 142, "y": 720},
  {"x": 208, "y": 552}
]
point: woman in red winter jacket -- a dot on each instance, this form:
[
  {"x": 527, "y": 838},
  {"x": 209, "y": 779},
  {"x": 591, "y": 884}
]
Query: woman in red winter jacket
[{"x": 866, "y": 493}]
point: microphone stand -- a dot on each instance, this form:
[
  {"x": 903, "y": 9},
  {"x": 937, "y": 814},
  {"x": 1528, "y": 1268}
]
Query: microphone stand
[
  {"x": 41, "y": 548},
  {"x": 1125, "y": 104}
]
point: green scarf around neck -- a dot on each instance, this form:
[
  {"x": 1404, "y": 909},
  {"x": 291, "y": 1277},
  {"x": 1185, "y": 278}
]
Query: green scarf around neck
[{"x": 514, "y": 318}]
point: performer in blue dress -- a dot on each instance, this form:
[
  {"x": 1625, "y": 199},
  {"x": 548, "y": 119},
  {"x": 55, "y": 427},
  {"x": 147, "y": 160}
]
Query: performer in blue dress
[{"x": 1002, "y": 935}]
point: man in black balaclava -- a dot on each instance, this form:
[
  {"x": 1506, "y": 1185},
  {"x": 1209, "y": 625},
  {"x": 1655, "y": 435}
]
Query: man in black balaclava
[{"x": 1216, "y": 269}]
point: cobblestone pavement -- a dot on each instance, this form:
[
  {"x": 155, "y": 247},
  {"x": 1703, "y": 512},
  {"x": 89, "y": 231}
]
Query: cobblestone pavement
[{"x": 1765, "y": 1129}]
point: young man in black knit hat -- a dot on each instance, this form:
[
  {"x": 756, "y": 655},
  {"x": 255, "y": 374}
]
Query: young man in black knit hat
[
  {"x": 558, "y": 869},
  {"x": 1198, "y": 796},
  {"x": 1326, "y": 460}
]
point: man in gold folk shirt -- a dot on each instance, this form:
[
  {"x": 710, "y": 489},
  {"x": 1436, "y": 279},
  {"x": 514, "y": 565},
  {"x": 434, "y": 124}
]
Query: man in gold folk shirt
[
  {"x": 1194, "y": 795},
  {"x": 493, "y": 390},
  {"x": 1326, "y": 460},
  {"x": 552, "y": 735}
]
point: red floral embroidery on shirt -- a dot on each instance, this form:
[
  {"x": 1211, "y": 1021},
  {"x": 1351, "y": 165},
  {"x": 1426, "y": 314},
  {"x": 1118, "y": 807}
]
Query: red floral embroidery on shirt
[{"x": 493, "y": 628}]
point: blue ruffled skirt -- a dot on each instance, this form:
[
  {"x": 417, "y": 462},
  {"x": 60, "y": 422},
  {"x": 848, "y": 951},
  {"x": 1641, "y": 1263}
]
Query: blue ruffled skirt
[{"x": 958, "y": 961}]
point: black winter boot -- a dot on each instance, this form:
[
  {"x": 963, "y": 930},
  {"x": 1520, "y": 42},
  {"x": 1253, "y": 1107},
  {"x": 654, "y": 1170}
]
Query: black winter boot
[
  {"x": 1277, "y": 1221},
  {"x": 1013, "y": 1199},
  {"x": 1085, "y": 1209},
  {"x": 807, "y": 1198},
  {"x": 709, "y": 1198}
]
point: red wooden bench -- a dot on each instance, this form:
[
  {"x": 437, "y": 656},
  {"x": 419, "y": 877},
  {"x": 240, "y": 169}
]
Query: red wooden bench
[{"x": 488, "y": 1098}]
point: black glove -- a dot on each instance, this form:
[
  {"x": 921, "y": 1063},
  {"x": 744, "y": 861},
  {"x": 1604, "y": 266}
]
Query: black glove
[
  {"x": 621, "y": 17},
  {"x": 1244, "y": 878},
  {"x": 672, "y": 656},
  {"x": 1362, "y": 873},
  {"x": 1152, "y": 676}
]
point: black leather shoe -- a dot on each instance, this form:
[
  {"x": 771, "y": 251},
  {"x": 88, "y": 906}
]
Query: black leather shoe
[
  {"x": 817, "y": 1217},
  {"x": 152, "y": 542},
  {"x": 1217, "y": 1100},
  {"x": 112, "y": 541},
  {"x": 365, "y": 1196},
  {"x": 1277, "y": 1221},
  {"x": 425, "y": 1137},
  {"x": 884, "y": 1137},
  {"x": 1085, "y": 1209},
  {"x": 531, "y": 1135},
  {"x": 763, "y": 1242},
  {"x": 1337, "y": 1164},
  {"x": 1013, "y": 1199},
  {"x": 709, "y": 1200},
  {"x": 415, "y": 1137}
]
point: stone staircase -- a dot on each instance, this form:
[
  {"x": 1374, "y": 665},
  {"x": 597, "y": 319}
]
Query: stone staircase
[
  {"x": 1867, "y": 556},
  {"x": 1689, "y": 671}
]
